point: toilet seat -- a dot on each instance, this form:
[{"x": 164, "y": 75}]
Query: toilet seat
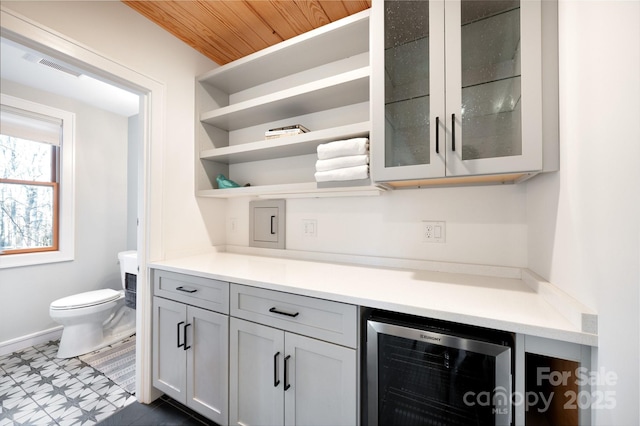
[{"x": 86, "y": 299}]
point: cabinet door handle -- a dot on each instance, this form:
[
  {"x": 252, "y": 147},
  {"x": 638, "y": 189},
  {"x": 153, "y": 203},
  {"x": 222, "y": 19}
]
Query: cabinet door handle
[
  {"x": 274, "y": 310},
  {"x": 287, "y": 385},
  {"x": 453, "y": 132},
  {"x": 272, "y": 227},
  {"x": 186, "y": 290},
  {"x": 178, "y": 334},
  {"x": 276, "y": 380},
  {"x": 185, "y": 337},
  {"x": 437, "y": 135}
]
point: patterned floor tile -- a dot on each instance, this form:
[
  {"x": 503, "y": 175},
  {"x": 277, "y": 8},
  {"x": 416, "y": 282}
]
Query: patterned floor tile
[
  {"x": 68, "y": 364},
  {"x": 35, "y": 418},
  {"x": 29, "y": 353},
  {"x": 6, "y": 383},
  {"x": 115, "y": 395},
  {"x": 50, "y": 346},
  {"x": 37, "y": 388},
  {"x": 7, "y": 361},
  {"x": 11, "y": 397},
  {"x": 26, "y": 377},
  {"x": 96, "y": 411},
  {"x": 66, "y": 416},
  {"x": 49, "y": 367},
  {"x": 87, "y": 374},
  {"x": 48, "y": 402},
  {"x": 18, "y": 408}
]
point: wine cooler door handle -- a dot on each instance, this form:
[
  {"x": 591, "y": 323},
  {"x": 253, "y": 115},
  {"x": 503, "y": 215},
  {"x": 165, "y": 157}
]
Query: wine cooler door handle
[
  {"x": 185, "y": 337},
  {"x": 276, "y": 380},
  {"x": 437, "y": 135},
  {"x": 287, "y": 385},
  {"x": 178, "y": 334}
]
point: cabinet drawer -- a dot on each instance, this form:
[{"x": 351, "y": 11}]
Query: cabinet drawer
[
  {"x": 197, "y": 291},
  {"x": 322, "y": 319}
]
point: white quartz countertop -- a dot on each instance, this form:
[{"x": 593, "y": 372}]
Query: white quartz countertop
[{"x": 501, "y": 303}]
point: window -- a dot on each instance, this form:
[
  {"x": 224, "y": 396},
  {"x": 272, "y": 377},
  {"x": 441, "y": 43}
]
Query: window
[{"x": 36, "y": 183}]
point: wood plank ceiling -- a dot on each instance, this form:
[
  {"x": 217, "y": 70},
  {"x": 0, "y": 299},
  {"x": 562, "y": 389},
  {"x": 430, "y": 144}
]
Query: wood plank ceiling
[{"x": 226, "y": 30}]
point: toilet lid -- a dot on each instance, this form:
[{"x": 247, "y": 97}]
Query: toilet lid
[{"x": 88, "y": 298}]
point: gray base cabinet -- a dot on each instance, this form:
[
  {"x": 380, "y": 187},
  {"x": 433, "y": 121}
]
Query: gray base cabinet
[
  {"x": 190, "y": 349},
  {"x": 280, "y": 377}
]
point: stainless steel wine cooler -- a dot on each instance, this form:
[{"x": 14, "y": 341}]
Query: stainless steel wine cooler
[{"x": 422, "y": 372}]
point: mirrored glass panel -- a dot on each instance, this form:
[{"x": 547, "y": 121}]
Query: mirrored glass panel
[
  {"x": 406, "y": 83},
  {"x": 491, "y": 83}
]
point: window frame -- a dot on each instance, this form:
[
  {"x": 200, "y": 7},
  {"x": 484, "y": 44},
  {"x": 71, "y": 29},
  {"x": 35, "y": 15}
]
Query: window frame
[
  {"x": 55, "y": 220},
  {"x": 64, "y": 192}
]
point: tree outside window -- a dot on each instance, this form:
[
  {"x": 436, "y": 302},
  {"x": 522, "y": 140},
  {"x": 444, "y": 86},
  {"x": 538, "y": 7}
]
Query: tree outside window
[{"x": 28, "y": 195}]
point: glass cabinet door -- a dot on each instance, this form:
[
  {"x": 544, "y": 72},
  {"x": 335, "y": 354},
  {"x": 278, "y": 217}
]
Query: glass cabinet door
[
  {"x": 485, "y": 46},
  {"x": 456, "y": 88},
  {"x": 408, "y": 82}
]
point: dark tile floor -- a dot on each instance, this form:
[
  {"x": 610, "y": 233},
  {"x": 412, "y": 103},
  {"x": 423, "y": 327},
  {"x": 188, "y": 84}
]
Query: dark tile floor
[{"x": 163, "y": 411}]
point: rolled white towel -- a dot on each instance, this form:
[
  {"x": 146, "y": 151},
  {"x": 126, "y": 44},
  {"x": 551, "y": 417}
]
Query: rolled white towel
[
  {"x": 355, "y": 146},
  {"x": 347, "y": 173},
  {"x": 342, "y": 162}
]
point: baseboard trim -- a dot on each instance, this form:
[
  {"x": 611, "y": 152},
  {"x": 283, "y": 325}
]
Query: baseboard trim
[{"x": 29, "y": 340}]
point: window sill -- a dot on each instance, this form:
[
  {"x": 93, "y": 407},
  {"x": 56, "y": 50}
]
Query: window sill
[{"x": 31, "y": 259}]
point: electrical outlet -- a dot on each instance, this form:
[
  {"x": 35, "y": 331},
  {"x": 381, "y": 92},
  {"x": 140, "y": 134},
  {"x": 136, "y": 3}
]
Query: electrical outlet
[
  {"x": 309, "y": 228},
  {"x": 433, "y": 231}
]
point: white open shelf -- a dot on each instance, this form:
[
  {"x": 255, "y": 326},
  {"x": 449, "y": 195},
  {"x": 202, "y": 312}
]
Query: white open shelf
[
  {"x": 288, "y": 146},
  {"x": 293, "y": 190},
  {"x": 331, "y": 92},
  {"x": 322, "y": 76},
  {"x": 337, "y": 40}
]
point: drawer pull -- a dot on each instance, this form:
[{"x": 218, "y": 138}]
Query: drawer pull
[
  {"x": 186, "y": 290},
  {"x": 276, "y": 381},
  {"x": 274, "y": 310},
  {"x": 287, "y": 385}
]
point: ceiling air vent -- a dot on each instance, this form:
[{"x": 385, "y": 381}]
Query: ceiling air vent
[{"x": 51, "y": 64}]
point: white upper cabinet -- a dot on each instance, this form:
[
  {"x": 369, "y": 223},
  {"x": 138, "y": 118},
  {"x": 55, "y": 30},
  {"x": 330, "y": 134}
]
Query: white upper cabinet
[
  {"x": 319, "y": 79},
  {"x": 463, "y": 91}
]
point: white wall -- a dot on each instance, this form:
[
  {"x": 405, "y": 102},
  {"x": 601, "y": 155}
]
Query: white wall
[
  {"x": 485, "y": 225},
  {"x": 584, "y": 222},
  {"x": 116, "y": 31},
  {"x": 101, "y": 220}
]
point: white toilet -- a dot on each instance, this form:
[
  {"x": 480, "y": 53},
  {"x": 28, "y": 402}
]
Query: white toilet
[{"x": 98, "y": 318}]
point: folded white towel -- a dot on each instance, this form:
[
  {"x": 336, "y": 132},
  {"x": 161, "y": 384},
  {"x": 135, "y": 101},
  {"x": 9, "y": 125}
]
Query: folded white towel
[
  {"x": 355, "y": 146},
  {"x": 347, "y": 173},
  {"x": 342, "y": 162}
]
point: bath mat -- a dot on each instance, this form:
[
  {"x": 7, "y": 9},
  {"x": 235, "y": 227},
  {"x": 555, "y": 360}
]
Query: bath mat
[{"x": 117, "y": 362}]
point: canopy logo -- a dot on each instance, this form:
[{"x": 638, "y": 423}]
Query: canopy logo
[{"x": 501, "y": 399}]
